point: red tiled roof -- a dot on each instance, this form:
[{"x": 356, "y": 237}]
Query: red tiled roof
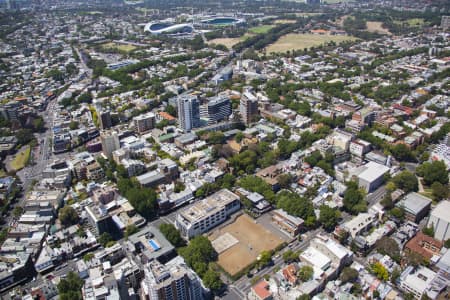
[{"x": 261, "y": 289}]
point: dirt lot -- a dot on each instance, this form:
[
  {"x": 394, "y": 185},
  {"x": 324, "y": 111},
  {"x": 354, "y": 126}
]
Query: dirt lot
[
  {"x": 377, "y": 27},
  {"x": 253, "y": 239}
]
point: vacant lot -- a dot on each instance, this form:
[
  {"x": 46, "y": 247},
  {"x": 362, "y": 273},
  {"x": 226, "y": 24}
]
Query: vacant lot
[
  {"x": 20, "y": 159},
  {"x": 377, "y": 27},
  {"x": 260, "y": 29},
  {"x": 252, "y": 239},
  {"x": 121, "y": 47},
  {"x": 295, "y": 41}
]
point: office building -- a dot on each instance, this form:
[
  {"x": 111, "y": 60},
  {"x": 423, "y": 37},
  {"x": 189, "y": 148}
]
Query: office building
[
  {"x": 440, "y": 220},
  {"x": 172, "y": 281},
  {"x": 207, "y": 213},
  {"x": 248, "y": 107},
  {"x": 110, "y": 142},
  {"x": 105, "y": 119},
  {"x": 290, "y": 224},
  {"x": 144, "y": 123},
  {"x": 219, "y": 109},
  {"x": 188, "y": 112}
]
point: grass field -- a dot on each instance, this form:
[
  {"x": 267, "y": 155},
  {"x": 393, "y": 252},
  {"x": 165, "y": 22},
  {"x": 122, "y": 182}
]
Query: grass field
[
  {"x": 252, "y": 239},
  {"x": 260, "y": 29},
  {"x": 284, "y": 21},
  {"x": 121, "y": 47},
  {"x": 377, "y": 27},
  {"x": 228, "y": 42},
  {"x": 21, "y": 158},
  {"x": 414, "y": 22},
  {"x": 294, "y": 41}
]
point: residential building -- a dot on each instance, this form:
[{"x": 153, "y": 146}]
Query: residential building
[
  {"x": 207, "y": 213},
  {"x": 248, "y": 107},
  {"x": 290, "y": 224},
  {"x": 445, "y": 22},
  {"x": 440, "y": 220},
  {"x": 359, "y": 224},
  {"x": 105, "y": 119},
  {"x": 110, "y": 142},
  {"x": 172, "y": 281},
  {"x": 424, "y": 245},
  {"x": 144, "y": 123},
  {"x": 188, "y": 112},
  {"x": 260, "y": 291},
  {"x": 219, "y": 109},
  {"x": 421, "y": 281}
]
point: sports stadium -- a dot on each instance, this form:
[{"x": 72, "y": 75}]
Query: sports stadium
[
  {"x": 222, "y": 21},
  {"x": 168, "y": 28}
]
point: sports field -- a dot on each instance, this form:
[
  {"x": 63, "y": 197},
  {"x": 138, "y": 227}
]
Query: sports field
[
  {"x": 294, "y": 41},
  {"x": 121, "y": 47},
  {"x": 260, "y": 29},
  {"x": 240, "y": 243}
]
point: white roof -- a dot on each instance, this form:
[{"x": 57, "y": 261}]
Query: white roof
[
  {"x": 442, "y": 211},
  {"x": 373, "y": 171},
  {"x": 317, "y": 258}
]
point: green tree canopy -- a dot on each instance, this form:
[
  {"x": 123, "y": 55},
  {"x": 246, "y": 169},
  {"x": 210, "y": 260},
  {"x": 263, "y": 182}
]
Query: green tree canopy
[
  {"x": 349, "y": 275},
  {"x": 305, "y": 273},
  {"x": 297, "y": 206},
  {"x": 354, "y": 199},
  {"x": 172, "y": 234},
  {"x": 68, "y": 216},
  {"x": 329, "y": 217},
  {"x": 406, "y": 181},
  {"x": 69, "y": 288},
  {"x": 431, "y": 172}
]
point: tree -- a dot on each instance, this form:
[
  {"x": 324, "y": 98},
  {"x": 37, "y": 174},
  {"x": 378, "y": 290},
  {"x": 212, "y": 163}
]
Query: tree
[
  {"x": 69, "y": 288},
  {"x": 88, "y": 256},
  {"x": 428, "y": 231},
  {"x": 380, "y": 271},
  {"x": 432, "y": 172},
  {"x": 304, "y": 297},
  {"x": 216, "y": 137},
  {"x": 198, "y": 254},
  {"x": 296, "y": 205},
  {"x": 68, "y": 216},
  {"x": 305, "y": 273},
  {"x": 284, "y": 180},
  {"x": 395, "y": 275},
  {"x": 388, "y": 246},
  {"x": 73, "y": 125},
  {"x": 328, "y": 217},
  {"x": 172, "y": 235},
  {"x": 406, "y": 181},
  {"x": 354, "y": 199},
  {"x": 402, "y": 153},
  {"x": 130, "y": 230},
  {"x": 212, "y": 280},
  {"x": 290, "y": 256},
  {"x": 104, "y": 239},
  {"x": 349, "y": 275},
  {"x": 447, "y": 244},
  {"x": 264, "y": 259},
  {"x": 413, "y": 259},
  {"x": 439, "y": 191},
  {"x": 398, "y": 213}
]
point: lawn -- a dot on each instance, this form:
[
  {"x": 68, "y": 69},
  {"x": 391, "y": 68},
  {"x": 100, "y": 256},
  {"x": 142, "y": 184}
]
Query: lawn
[
  {"x": 21, "y": 159},
  {"x": 260, "y": 29},
  {"x": 121, "y": 47},
  {"x": 228, "y": 42},
  {"x": 295, "y": 41},
  {"x": 413, "y": 22}
]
